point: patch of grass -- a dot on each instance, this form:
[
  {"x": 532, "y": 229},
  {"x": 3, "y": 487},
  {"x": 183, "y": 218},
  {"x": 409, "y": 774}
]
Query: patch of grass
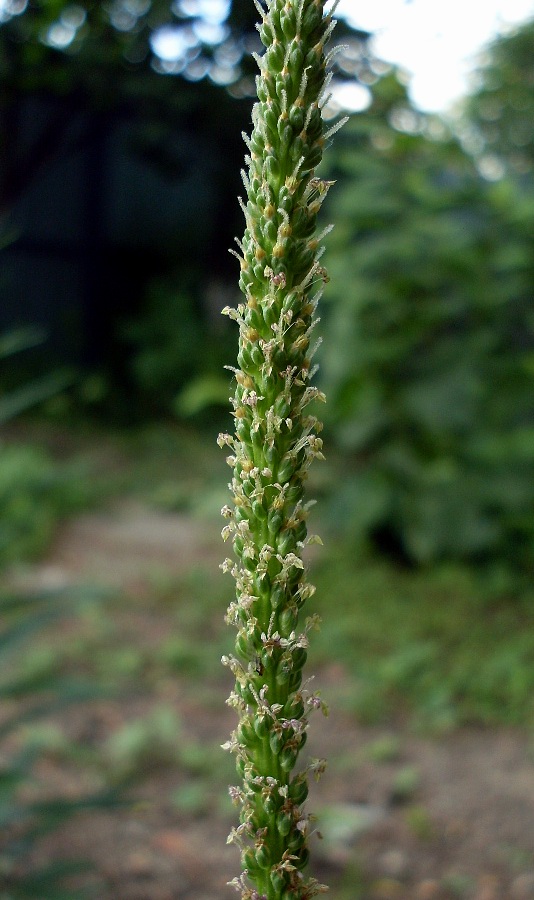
[
  {"x": 352, "y": 884},
  {"x": 384, "y": 749},
  {"x": 171, "y": 467},
  {"x": 34, "y": 689},
  {"x": 404, "y": 785},
  {"x": 437, "y": 645},
  {"x": 419, "y": 822}
]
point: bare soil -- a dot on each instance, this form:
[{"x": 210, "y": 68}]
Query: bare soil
[{"x": 404, "y": 817}]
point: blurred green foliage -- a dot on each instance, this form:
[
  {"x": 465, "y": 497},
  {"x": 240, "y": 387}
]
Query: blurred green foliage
[
  {"x": 34, "y": 687},
  {"x": 35, "y": 495},
  {"x": 500, "y": 110},
  {"x": 441, "y": 646},
  {"x": 173, "y": 345},
  {"x": 35, "y": 492},
  {"x": 429, "y": 343}
]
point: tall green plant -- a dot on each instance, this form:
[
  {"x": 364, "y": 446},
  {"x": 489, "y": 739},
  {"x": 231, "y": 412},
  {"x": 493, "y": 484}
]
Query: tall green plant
[{"x": 274, "y": 443}]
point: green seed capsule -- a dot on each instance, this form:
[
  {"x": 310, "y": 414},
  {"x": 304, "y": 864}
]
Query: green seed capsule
[
  {"x": 299, "y": 657},
  {"x": 253, "y": 319},
  {"x": 276, "y": 742},
  {"x": 283, "y": 676},
  {"x": 295, "y": 493},
  {"x": 259, "y": 510},
  {"x": 280, "y": 359},
  {"x": 286, "y": 542},
  {"x": 277, "y": 598},
  {"x": 283, "y": 823},
  {"x": 242, "y": 644},
  {"x": 250, "y": 863},
  {"x": 271, "y": 168},
  {"x": 269, "y": 230},
  {"x": 266, "y": 34},
  {"x": 277, "y": 880},
  {"x": 244, "y": 360},
  {"x": 268, "y": 384},
  {"x": 256, "y": 355},
  {"x": 294, "y": 708},
  {"x": 311, "y": 20},
  {"x": 289, "y": 25},
  {"x": 288, "y": 620},
  {"x": 248, "y": 487},
  {"x": 249, "y": 563},
  {"x": 282, "y": 407},
  {"x": 247, "y": 695},
  {"x": 274, "y": 522},
  {"x": 298, "y": 789},
  {"x": 303, "y": 858},
  {"x": 270, "y": 314},
  {"x": 296, "y": 841},
  {"x": 296, "y": 118},
  {"x": 253, "y": 787},
  {"x": 271, "y": 455},
  {"x": 288, "y": 758},
  {"x": 245, "y": 733},
  {"x": 275, "y": 57},
  {"x": 296, "y": 60},
  {"x": 263, "y": 583},
  {"x": 286, "y": 469},
  {"x": 263, "y": 856},
  {"x": 242, "y": 429},
  {"x": 261, "y": 726},
  {"x": 270, "y": 804}
]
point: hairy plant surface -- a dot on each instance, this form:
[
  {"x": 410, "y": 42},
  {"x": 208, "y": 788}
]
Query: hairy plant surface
[{"x": 274, "y": 443}]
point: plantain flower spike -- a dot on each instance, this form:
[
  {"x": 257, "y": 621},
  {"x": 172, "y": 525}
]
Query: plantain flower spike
[{"x": 275, "y": 441}]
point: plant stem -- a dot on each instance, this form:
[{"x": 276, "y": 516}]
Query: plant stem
[{"x": 274, "y": 443}]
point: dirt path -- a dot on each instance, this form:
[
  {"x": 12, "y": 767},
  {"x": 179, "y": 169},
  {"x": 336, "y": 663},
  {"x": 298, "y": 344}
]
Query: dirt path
[{"x": 404, "y": 818}]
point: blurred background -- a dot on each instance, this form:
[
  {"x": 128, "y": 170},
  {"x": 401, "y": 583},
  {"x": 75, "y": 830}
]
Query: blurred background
[{"x": 120, "y": 154}]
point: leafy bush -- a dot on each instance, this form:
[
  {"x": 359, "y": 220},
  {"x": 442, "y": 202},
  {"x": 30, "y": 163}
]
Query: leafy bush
[{"x": 430, "y": 346}]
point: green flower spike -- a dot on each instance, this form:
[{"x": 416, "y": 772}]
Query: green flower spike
[{"x": 274, "y": 443}]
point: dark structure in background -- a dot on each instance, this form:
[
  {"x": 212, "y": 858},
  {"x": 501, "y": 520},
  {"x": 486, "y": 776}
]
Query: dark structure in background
[
  {"x": 116, "y": 165},
  {"x": 103, "y": 219},
  {"x": 111, "y": 172}
]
